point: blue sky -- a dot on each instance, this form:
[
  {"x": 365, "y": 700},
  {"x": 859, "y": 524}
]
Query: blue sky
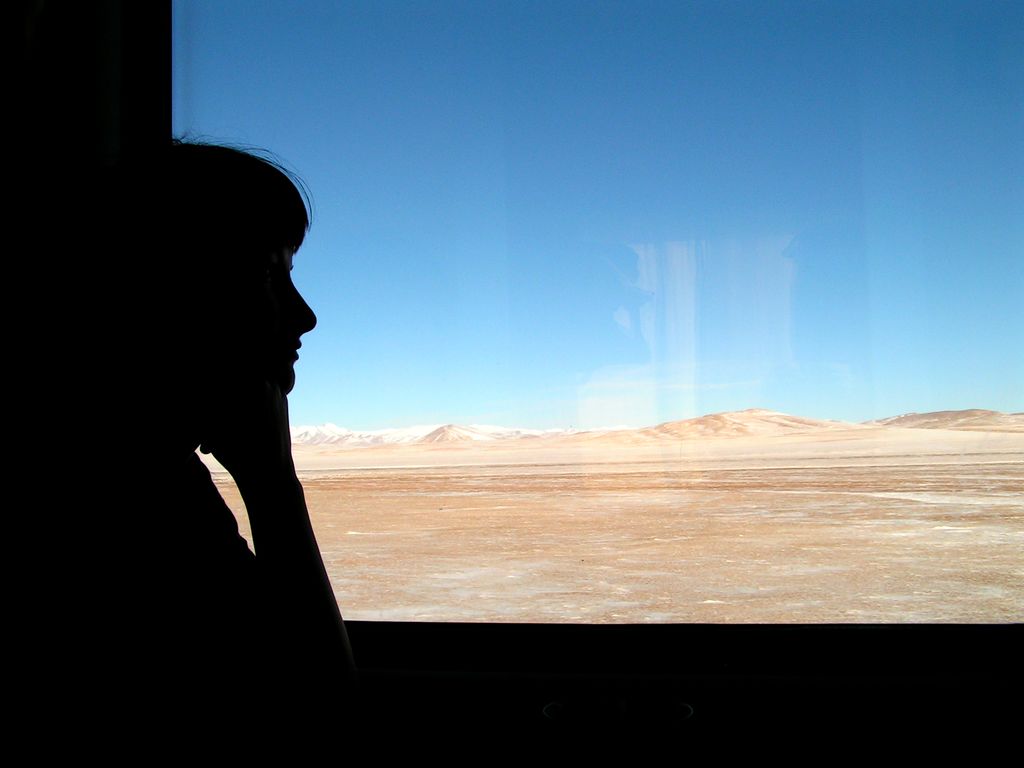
[{"x": 553, "y": 214}]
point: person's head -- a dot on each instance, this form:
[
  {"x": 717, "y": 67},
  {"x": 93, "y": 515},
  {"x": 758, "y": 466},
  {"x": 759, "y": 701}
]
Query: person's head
[{"x": 218, "y": 227}]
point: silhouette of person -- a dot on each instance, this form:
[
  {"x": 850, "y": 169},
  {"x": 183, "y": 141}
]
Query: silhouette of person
[{"x": 215, "y": 330}]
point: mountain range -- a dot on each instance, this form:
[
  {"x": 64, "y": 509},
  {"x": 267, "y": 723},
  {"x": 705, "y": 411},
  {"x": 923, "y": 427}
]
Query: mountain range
[{"x": 753, "y": 422}]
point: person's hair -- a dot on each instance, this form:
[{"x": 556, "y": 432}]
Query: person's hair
[{"x": 228, "y": 203}]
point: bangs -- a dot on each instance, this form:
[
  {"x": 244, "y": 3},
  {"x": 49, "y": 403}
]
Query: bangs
[{"x": 234, "y": 200}]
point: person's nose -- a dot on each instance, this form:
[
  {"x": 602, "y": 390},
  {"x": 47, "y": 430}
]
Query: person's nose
[
  {"x": 303, "y": 317},
  {"x": 307, "y": 317}
]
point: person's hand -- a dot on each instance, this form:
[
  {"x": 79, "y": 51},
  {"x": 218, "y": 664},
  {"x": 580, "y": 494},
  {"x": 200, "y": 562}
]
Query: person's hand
[{"x": 248, "y": 433}]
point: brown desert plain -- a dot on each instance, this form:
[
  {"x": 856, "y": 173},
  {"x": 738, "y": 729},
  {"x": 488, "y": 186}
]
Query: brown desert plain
[{"x": 745, "y": 517}]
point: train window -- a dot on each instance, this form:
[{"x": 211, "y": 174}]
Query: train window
[{"x": 647, "y": 312}]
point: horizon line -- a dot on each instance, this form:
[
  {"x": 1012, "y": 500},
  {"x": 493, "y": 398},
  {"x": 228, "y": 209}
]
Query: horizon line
[{"x": 469, "y": 424}]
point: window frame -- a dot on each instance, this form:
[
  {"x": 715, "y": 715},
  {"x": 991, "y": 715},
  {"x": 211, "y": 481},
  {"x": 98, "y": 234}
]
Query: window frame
[{"x": 855, "y": 667}]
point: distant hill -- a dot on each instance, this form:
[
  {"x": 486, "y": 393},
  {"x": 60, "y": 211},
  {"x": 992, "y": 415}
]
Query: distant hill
[
  {"x": 453, "y": 433},
  {"x": 972, "y": 420},
  {"x": 751, "y": 422}
]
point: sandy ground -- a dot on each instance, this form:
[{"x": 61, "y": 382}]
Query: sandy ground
[{"x": 893, "y": 525}]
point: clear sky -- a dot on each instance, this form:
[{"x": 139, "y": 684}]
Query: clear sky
[{"x": 552, "y": 214}]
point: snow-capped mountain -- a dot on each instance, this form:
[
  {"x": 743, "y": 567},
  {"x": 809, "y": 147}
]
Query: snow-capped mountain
[{"x": 331, "y": 434}]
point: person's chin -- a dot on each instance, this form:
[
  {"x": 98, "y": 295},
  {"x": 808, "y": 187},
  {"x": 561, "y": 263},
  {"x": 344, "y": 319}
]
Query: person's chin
[{"x": 286, "y": 380}]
